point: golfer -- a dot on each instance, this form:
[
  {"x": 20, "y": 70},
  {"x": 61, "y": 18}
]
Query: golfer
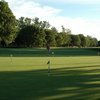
[{"x": 48, "y": 47}]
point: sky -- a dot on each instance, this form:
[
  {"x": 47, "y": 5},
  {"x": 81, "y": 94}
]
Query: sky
[{"x": 80, "y": 16}]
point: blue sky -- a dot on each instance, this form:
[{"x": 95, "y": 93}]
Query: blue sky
[
  {"x": 75, "y": 9},
  {"x": 81, "y": 16}
]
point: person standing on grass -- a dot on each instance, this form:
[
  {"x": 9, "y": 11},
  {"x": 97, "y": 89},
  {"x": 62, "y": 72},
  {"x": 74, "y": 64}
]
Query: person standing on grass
[{"x": 48, "y": 47}]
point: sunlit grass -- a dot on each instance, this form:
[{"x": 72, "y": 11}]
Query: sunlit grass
[
  {"x": 71, "y": 78},
  {"x": 31, "y": 63}
]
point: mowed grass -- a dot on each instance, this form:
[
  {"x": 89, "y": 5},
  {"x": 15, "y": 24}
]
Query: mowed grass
[
  {"x": 71, "y": 78},
  {"x": 75, "y": 74},
  {"x": 57, "y": 52}
]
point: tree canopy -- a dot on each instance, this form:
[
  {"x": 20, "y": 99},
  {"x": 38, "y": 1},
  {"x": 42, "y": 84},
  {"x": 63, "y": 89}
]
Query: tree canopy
[
  {"x": 31, "y": 32},
  {"x": 8, "y": 27}
]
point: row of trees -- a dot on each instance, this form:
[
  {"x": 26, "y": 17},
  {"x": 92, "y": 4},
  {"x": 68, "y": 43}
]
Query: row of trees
[
  {"x": 35, "y": 33},
  {"x": 27, "y": 32}
]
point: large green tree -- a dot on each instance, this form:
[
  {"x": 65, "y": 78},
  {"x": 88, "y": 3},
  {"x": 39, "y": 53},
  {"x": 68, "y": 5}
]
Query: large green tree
[
  {"x": 8, "y": 23},
  {"x": 91, "y": 42},
  {"x": 50, "y": 37},
  {"x": 75, "y": 40},
  {"x": 31, "y": 36},
  {"x": 83, "y": 40},
  {"x": 98, "y": 43}
]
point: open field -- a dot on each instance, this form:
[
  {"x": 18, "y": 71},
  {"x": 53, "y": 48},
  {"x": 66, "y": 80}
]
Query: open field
[
  {"x": 26, "y": 78},
  {"x": 58, "y": 52}
]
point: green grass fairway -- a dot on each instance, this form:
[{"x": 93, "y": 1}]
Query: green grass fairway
[
  {"x": 71, "y": 78},
  {"x": 57, "y": 52}
]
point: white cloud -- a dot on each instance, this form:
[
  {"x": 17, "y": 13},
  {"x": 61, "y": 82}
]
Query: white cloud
[
  {"x": 31, "y": 9},
  {"x": 84, "y": 1},
  {"x": 78, "y": 25},
  {"x": 28, "y": 8},
  {"x": 74, "y": 1}
]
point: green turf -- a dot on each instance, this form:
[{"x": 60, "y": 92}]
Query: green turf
[
  {"x": 74, "y": 74},
  {"x": 71, "y": 78},
  {"x": 57, "y": 52}
]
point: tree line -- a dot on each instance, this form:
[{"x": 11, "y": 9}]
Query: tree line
[{"x": 27, "y": 32}]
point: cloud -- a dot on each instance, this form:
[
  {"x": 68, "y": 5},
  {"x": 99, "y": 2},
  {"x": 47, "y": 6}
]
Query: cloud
[
  {"x": 78, "y": 25},
  {"x": 31, "y": 9},
  {"x": 84, "y": 1},
  {"x": 73, "y": 1}
]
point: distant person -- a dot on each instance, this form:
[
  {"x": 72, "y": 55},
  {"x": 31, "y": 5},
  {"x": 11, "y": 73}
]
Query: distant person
[{"x": 48, "y": 47}]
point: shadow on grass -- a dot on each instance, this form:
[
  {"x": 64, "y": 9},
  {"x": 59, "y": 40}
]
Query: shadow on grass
[
  {"x": 55, "y": 52},
  {"x": 71, "y": 83}
]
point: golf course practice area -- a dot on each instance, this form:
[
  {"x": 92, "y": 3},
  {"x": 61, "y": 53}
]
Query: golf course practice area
[{"x": 74, "y": 74}]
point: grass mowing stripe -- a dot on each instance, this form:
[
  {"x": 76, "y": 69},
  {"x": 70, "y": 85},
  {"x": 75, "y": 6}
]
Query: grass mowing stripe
[
  {"x": 71, "y": 78},
  {"x": 31, "y": 63},
  {"x": 64, "y": 83},
  {"x": 36, "y": 52}
]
